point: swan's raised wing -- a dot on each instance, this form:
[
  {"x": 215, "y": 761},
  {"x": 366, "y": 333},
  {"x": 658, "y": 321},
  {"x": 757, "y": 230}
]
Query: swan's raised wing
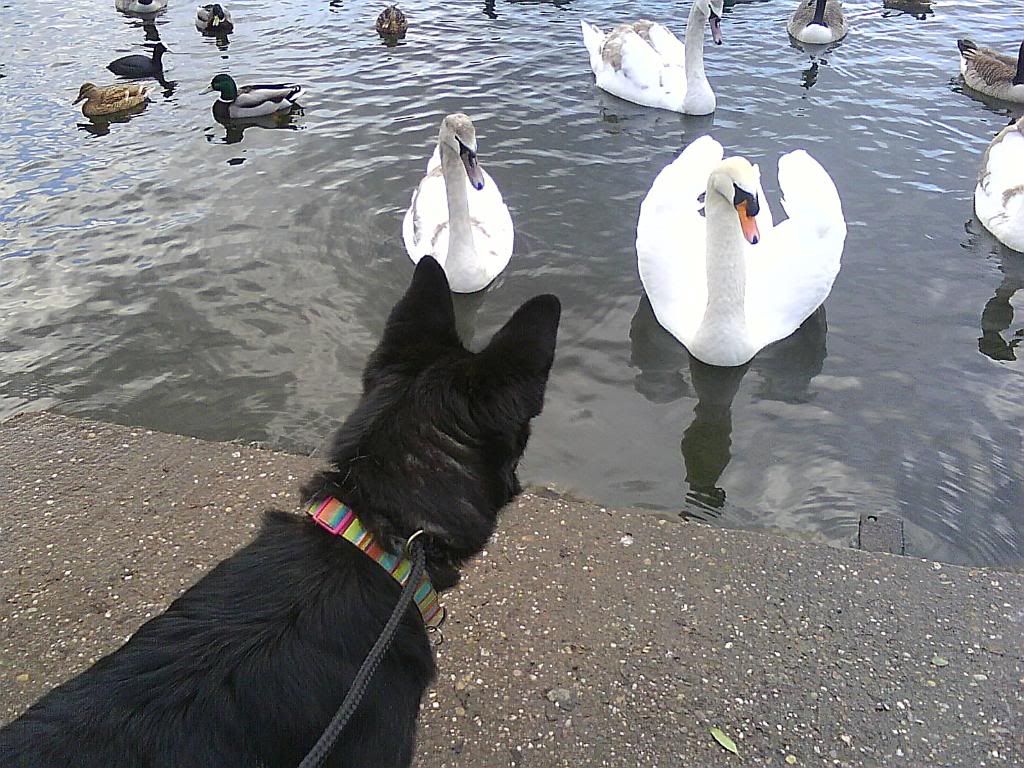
[
  {"x": 670, "y": 239},
  {"x": 999, "y": 196},
  {"x": 667, "y": 44},
  {"x": 425, "y": 226},
  {"x": 638, "y": 62},
  {"x": 593, "y": 39},
  {"x": 791, "y": 271}
]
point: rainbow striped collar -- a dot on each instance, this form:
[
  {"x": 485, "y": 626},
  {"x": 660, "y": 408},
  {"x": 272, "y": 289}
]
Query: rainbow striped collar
[{"x": 331, "y": 515}]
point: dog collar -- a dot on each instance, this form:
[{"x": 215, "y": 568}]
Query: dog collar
[{"x": 331, "y": 515}]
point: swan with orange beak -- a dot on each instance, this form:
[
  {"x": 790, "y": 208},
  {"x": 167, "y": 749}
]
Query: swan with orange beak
[{"x": 720, "y": 276}]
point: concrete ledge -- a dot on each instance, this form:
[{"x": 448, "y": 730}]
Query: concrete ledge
[{"x": 584, "y": 636}]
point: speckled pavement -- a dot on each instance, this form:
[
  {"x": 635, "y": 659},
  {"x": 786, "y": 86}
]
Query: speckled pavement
[{"x": 583, "y": 637}]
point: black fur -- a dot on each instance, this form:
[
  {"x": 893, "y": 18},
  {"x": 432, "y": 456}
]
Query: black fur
[{"x": 247, "y": 667}]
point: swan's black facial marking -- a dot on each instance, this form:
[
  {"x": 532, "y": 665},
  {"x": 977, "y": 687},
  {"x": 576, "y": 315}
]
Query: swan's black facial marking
[
  {"x": 473, "y": 170},
  {"x": 742, "y": 196}
]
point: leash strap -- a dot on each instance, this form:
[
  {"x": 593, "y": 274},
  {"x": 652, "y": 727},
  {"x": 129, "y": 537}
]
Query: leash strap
[{"x": 320, "y": 751}]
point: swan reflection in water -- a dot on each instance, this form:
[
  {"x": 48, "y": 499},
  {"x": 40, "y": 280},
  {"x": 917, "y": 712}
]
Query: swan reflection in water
[
  {"x": 785, "y": 370},
  {"x": 999, "y": 339}
]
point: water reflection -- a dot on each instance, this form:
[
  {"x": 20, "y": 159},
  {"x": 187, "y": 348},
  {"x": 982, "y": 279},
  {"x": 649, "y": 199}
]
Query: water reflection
[
  {"x": 99, "y": 125},
  {"x": 667, "y": 372},
  {"x": 235, "y": 128},
  {"x": 999, "y": 340},
  {"x": 918, "y": 9},
  {"x": 997, "y": 317},
  {"x": 809, "y": 76}
]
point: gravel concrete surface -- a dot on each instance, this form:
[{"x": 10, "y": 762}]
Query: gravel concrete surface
[{"x": 582, "y": 637}]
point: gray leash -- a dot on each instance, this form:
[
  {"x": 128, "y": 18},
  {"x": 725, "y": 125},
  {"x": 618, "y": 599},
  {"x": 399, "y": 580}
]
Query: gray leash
[{"x": 322, "y": 749}]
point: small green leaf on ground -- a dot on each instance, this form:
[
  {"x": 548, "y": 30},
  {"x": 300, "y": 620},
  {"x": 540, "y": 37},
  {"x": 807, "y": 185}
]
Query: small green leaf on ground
[
  {"x": 791, "y": 759},
  {"x": 724, "y": 740},
  {"x": 938, "y": 661}
]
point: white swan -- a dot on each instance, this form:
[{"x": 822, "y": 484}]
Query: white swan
[
  {"x": 999, "y": 196},
  {"x": 457, "y": 214},
  {"x": 730, "y": 282},
  {"x": 643, "y": 62}
]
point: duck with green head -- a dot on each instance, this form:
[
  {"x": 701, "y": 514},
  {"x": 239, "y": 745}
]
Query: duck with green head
[{"x": 242, "y": 101}]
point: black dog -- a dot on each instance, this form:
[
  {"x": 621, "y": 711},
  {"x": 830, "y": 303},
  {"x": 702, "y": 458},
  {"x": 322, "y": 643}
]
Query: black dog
[{"x": 247, "y": 667}]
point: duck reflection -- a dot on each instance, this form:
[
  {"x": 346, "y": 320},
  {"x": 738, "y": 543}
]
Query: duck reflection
[
  {"x": 235, "y": 128},
  {"x": 99, "y": 125},
  {"x": 919, "y": 9},
  {"x": 667, "y": 372}
]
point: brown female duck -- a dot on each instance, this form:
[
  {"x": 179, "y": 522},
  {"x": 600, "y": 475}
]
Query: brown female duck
[
  {"x": 109, "y": 99},
  {"x": 392, "y": 22}
]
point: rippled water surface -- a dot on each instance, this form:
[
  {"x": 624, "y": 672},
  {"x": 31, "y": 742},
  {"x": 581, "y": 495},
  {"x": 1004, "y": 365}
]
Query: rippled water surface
[{"x": 166, "y": 272}]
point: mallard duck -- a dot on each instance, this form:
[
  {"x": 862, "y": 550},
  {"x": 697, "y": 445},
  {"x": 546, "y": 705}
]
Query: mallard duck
[
  {"x": 239, "y": 102},
  {"x": 138, "y": 65},
  {"x": 818, "y": 21},
  {"x": 457, "y": 214},
  {"x": 645, "y": 63},
  {"x": 109, "y": 99},
  {"x": 214, "y": 20},
  {"x": 999, "y": 196},
  {"x": 992, "y": 73},
  {"x": 392, "y": 22},
  {"x": 140, "y": 6},
  {"x": 729, "y": 282}
]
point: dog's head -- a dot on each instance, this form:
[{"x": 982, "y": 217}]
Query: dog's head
[{"x": 438, "y": 433}]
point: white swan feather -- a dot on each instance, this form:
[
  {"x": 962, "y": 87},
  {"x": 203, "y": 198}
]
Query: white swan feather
[
  {"x": 472, "y": 238},
  {"x": 643, "y": 62},
  {"x": 786, "y": 275},
  {"x": 999, "y": 196}
]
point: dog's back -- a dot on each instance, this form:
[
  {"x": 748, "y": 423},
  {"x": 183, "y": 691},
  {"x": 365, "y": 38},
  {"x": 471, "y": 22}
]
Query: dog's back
[{"x": 247, "y": 667}]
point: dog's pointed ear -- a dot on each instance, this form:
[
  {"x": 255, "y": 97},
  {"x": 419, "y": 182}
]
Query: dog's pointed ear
[
  {"x": 525, "y": 345},
  {"x": 425, "y": 311}
]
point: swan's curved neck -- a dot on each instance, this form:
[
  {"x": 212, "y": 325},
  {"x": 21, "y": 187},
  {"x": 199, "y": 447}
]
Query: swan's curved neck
[
  {"x": 726, "y": 264},
  {"x": 460, "y": 229},
  {"x": 693, "y": 42}
]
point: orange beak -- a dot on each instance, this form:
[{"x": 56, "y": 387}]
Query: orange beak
[{"x": 748, "y": 224}]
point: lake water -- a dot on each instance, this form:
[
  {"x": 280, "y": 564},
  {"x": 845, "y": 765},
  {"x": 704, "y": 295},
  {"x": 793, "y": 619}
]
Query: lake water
[{"x": 166, "y": 272}]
